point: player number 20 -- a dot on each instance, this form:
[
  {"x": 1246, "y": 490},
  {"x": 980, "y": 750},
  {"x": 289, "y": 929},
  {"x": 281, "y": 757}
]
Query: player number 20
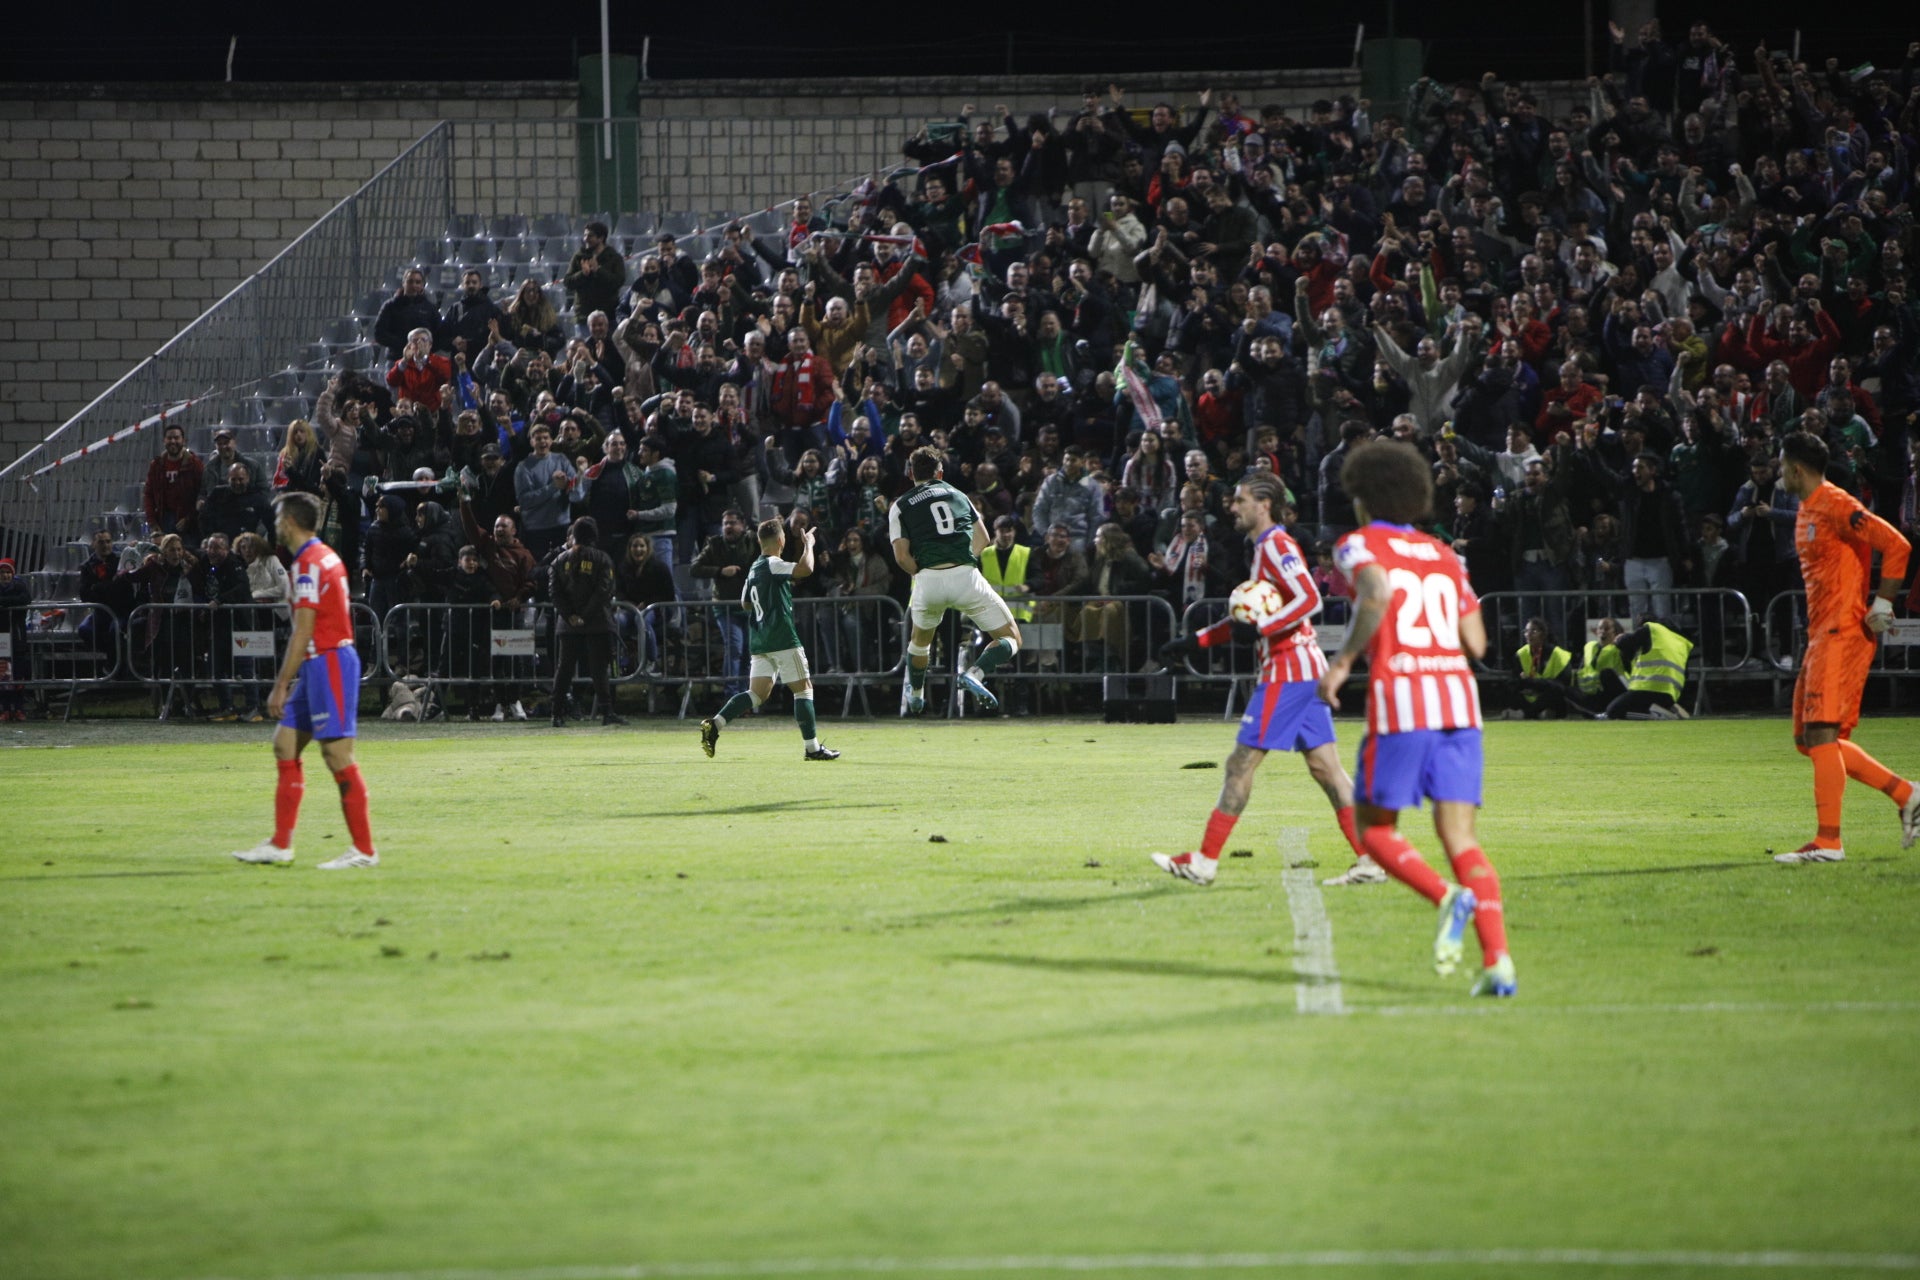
[
  {"x": 1429, "y": 614},
  {"x": 942, "y": 516}
]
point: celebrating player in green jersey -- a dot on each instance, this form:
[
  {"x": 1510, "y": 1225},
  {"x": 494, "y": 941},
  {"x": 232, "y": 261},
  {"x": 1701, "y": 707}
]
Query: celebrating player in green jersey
[
  {"x": 773, "y": 641},
  {"x": 938, "y": 539}
]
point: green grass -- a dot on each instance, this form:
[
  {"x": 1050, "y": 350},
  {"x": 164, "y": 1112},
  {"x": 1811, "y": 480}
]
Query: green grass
[{"x": 610, "y": 1003}]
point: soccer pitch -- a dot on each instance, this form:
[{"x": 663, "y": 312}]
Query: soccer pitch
[{"x": 610, "y": 1008}]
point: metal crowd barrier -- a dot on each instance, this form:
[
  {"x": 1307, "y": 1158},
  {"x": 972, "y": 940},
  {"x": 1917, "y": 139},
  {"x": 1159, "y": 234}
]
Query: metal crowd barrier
[
  {"x": 1238, "y": 665},
  {"x": 855, "y": 642},
  {"x": 1070, "y": 640},
  {"x": 1897, "y": 658},
  {"x": 180, "y": 649},
  {"x": 58, "y": 646},
  {"x": 1719, "y": 621},
  {"x": 512, "y": 653}
]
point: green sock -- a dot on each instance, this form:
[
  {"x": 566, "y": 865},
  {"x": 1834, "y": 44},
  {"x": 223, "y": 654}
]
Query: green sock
[
  {"x": 738, "y": 705},
  {"x": 803, "y": 716},
  {"x": 916, "y": 676},
  {"x": 993, "y": 655}
]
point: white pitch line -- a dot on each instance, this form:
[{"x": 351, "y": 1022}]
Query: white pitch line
[
  {"x": 1318, "y": 988},
  {"x": 1627, "y": 1010},
  {"x": 1402, "y": 1259}
]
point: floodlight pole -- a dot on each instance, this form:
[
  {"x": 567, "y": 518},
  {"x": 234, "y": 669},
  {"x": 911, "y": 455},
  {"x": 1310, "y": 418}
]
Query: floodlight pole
[{"x": 606, "y": 86}]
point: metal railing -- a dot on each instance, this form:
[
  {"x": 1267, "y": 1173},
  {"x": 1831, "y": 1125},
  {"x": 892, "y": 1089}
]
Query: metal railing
[
  {"x": 62, "y": 487},
  {"x": 855, "y": 642},
  {"x": 260, "y": 354},
  {"x": 1238, "y": 665},
  {"x": 179, "y": 650},
  {"x": 1718, "y": 620},
  {"x": 61, "y": 646},
  {"x": 1069, "y": 642}
]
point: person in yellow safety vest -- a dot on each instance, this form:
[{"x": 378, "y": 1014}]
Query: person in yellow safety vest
[
  {"x": 1602, "y": 675},
  {"x": 1004, "y": 565},
  {"x": 1657, "y": 656},
  {"x": 1546, "y": 673}
]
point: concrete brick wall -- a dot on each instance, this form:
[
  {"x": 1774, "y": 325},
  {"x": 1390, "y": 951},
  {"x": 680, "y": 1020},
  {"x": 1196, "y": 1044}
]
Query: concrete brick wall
[{"x": 126, "y": 211}]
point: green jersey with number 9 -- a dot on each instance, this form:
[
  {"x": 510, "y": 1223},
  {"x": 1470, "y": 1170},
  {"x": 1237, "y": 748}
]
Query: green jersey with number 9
[
  {"x": 768, "y": 596},
  {"x": 937, "y": 521}
]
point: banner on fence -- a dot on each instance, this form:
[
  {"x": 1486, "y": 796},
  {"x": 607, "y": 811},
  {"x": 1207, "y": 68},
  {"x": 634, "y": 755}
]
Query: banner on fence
[
  {"x": 513, "y": 643},
  {"x": 253, "y": 644},
  {"x": 6, "y": 646},
  {"x": 1331, "y": 635},
  {"x": 1904, "y": 633}
]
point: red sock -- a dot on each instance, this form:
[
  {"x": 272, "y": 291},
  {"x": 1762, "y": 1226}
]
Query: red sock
[
  {"x": 353, "y": 802},
  {"x": 1403, "y": 862},
  {"x": 1472, "y": 869},
  {"x": 1829, "y": 787},
  {"x": 1350, "y": 829},
  {"x": 286, "y": 802},
  {"x": 1219, "y": 827},
  {"x": 1864, "y": 768}
]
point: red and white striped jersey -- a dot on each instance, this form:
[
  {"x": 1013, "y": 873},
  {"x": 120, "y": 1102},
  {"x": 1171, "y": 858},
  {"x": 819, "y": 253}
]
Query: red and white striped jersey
[
  {"x": 1418, "y": 677},
  {"x": 1292, "y": 652}
]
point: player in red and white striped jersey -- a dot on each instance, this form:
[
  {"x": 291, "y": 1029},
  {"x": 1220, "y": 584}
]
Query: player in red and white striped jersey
[
  {"x": 317, "y": 694},
  {"x": 1284, "y": 713},
  {"x": 1418, "y": 623}
]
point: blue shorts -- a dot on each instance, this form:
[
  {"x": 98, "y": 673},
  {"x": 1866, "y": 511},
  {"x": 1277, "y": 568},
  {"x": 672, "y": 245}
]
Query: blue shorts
[
  {"x": 325, "y": 701},
  {"x": 1397, "y": 769},
  {"x": 1286, "y": 717}
]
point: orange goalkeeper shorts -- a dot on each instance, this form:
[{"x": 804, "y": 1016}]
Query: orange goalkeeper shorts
[{"x": 1833, "y": 675}]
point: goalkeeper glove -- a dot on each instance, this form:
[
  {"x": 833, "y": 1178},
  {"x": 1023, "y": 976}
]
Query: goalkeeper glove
[{"x": 1880, "y": 615}]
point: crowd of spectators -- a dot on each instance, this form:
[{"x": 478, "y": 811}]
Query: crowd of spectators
[{"x": 1597, "y": 321}]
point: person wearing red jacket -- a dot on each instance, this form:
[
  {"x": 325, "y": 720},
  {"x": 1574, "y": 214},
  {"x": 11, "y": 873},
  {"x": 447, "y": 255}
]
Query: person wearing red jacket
[
  {"x": 419, "y": 373},
  {"x": 1805, "y": 355},
  {"x": 803, "y": 391},
  {"x": 172, "y": 495},
  {"x": 1564, "y": 405}
]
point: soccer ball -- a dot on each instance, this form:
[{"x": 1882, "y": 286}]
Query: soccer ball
[{"x": 1252, "y": 602}]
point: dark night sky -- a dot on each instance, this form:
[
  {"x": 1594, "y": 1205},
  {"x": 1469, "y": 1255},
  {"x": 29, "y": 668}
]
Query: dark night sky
[{"x": 493, "y": 40}]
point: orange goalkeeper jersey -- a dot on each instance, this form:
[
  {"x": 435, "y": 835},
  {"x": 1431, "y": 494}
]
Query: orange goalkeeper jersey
[{"x": 1836, "y": 537}]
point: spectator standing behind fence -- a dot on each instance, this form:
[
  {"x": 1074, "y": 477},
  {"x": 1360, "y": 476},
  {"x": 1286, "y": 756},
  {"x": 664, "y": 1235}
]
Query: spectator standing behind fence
[
  {"x": 236, "y": 507},
  {"x": 724, "y": 560},
  {"x": 270, "y": 591},
  {"x": 641, "y": 578},
  {"x": 15, "y": 597},
  {"x": 410, "y": 308},
  {"x": 218, "y": 466},
  {"x": 221, "y": 579},
  {"x": 542, "y": 485},
  {"x": 509, "y": 568},
  {"x": 165, "y": 577},
  {"x": 583, "y": 587},
  {"x": 1072, "y": 499},
  {"x": 468, "y": 632},
  {"x": 172, "y": 495},
  {"x": 596, "y": 273}
]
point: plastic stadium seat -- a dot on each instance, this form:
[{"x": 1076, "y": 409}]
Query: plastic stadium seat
[
  {"x": 508, "y": 226},
  {"x": 284, "y": 383},
  {"x": 370, "y": 303},
  {"x": 679, "y": 224},
  {"x": 462, "y": 225},
  {"x": 430, "y": 252},
  {"x": 341, "y": 334},
  {"x": 311, "y": 358},
  {"x": 551, "y": 225},
  {"x": 475, "y": 251},
  {"x": 557, "y": 295},
  {"x": 633, "y": 229}
]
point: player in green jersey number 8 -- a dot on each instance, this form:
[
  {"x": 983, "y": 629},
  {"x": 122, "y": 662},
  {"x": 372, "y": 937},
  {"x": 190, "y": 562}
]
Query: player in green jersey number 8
[
  {"x": 938, "y": 539},
  {"x": 773, "y": 641}
]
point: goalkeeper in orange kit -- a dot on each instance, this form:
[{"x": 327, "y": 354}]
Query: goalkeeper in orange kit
[{"x": 1836, "y": 538}]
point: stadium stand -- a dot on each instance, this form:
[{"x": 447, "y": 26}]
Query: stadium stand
[{"x": 1597, "y": 321}]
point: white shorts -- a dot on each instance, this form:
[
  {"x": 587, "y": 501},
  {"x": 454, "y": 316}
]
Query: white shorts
[
  {"x": 962, "y": 587},
  {"x": 783, "y": 666}
]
